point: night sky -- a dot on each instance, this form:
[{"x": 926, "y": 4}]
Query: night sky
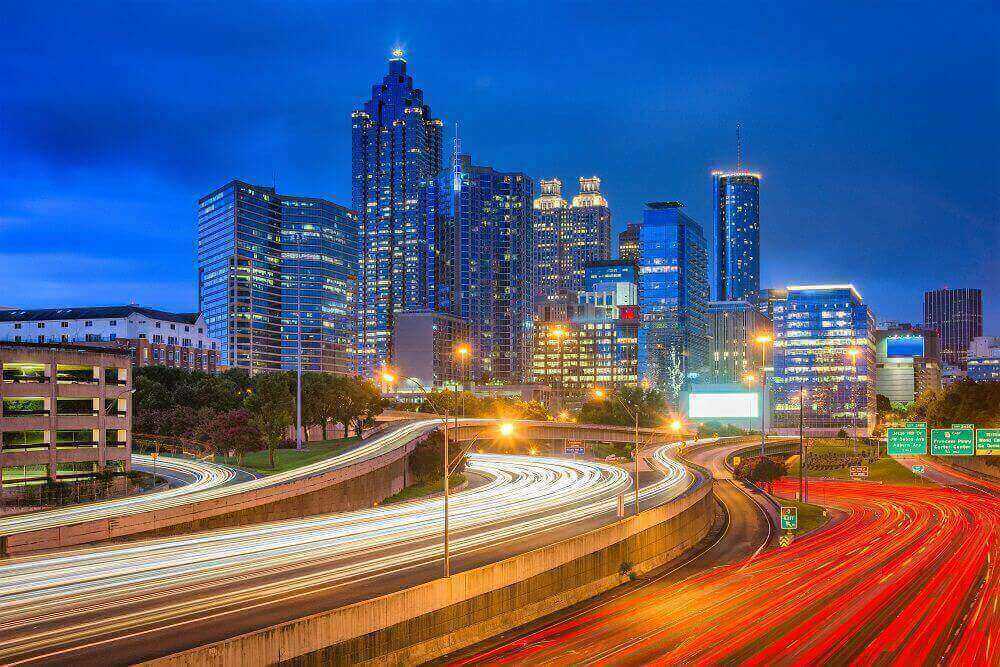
[{"x": 875, "y": 129}]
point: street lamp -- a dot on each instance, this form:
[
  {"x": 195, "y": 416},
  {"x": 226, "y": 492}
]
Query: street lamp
[
  {"x": 853, "y": 353},
  {"x": 749, "y": 378},
  {"x": 464, "y": 352},
  {"x": 559, "y": 333},
  {"x": 763, "y": 340},
  {"x": 802, "y": 447},
  {"x": 600, "y": 395}
]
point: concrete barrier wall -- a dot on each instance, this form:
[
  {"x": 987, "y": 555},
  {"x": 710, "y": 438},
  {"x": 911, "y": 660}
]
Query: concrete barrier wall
[
  {"x": 352, "y": 487},
  {"x": 430, "y": 620},
  {"x": 977, "y": 465}
]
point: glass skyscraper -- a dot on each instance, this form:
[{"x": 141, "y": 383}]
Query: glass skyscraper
[
  {"x": 396, "y": 150},
  {"x": 628, "y": 243},
  {"x": 957, "y": 316},
  {"x": 814, "y": 329},
  {"x": 736, "y": 199},
  {"x": 263, "y": 258},
  {"x": 673, "y": 298}
]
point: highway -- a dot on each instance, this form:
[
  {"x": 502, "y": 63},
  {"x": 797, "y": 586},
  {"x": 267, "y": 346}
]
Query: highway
[
  {"x": 907, "y": 575},
  {"x": 125, "y": 603}
]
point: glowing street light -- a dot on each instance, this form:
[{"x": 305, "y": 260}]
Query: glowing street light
[
  {"x": 506, "y": 429},
  {"x": 675, "y": 425},
  {"x": 763, "y": 339},
  {"x": 598, "y": 393}
]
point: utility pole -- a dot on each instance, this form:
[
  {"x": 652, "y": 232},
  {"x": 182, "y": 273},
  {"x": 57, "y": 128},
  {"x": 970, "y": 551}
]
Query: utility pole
[
  {"x": 636, "y": 457},
  {"x": 802, "y": 448},
  {"x": 298, "y": 348}
]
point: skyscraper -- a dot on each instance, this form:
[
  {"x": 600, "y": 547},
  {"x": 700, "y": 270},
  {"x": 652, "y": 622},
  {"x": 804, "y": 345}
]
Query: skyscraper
[
  {"x": 267, "y": 262},
  {"x": 569, "y": 237},
  {"x": 396, "y": 147},
  {"x": 733, "y": 326},
  {"x": 673, "y": 298},
  {"x": 815, "y": 330},
  {"x": 494, "y": 274},
  {"x": 736, "y": 207},
  {"x": 957, "y": 316},
  {"x": 628, "y": 243}
]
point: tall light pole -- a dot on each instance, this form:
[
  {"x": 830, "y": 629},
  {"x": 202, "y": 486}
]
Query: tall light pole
[
  {"x": 853, "y": 353},
  {"x": 600, "y": 395},
  {"x": 559, "y": 333},
  {"x": 750, "y": 378},
  {"x": 464, "y": 352},
  {"x": 298, "y": 346},
  {"x": 802, "y": 447},
  {"x": 763, "y": 340}
]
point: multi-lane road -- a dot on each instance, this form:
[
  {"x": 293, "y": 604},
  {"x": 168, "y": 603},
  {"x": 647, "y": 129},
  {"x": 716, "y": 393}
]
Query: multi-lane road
[
  {"x": 126, "y": 603},
  {"x": 906, "y": 575}
]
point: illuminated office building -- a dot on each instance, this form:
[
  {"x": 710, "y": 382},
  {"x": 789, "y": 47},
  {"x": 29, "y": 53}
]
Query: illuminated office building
[
  {"x": 628, "y": 243},
  {"x": 396, "y": 151},
  {"x": 264, "y": 258},
  {"x": 673, "y": 298},
  {"x": 984, "y": 359},
  {"x": 737, "y": 235},
  {"x": 733, "y": 352},
  {"x": 957, "y": 316},
  {"x": 815, "y": 328},
  {"x": 907, "y": 362}
]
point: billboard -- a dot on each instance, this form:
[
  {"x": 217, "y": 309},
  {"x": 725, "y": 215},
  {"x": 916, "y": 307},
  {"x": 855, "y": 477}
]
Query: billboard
[
  {"x": 904, "y": 347},
  {"x": 723, "y": 405}
]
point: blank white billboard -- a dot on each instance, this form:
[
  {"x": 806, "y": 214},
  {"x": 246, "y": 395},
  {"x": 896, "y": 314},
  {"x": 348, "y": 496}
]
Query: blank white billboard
[{"x": 729, "y": 405}]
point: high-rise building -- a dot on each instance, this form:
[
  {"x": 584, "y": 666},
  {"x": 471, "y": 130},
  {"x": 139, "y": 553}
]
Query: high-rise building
[
  {"x": 984, "y": 359},
  {"x": 494, "y": 272},
  {"x": 957, "y": 316},
  {"x": 907, "y": 362},
  {"x": 569, "y": 237},
  {"x": 264, "y": 259},
  {"x": 766, "y": 298},
  {"x": 733, "y": 353},
  {"x": 736, "y": 205},
  {"x": 673, "y": 298},
  {"x": 396, "y": 151},
  {"x": 628, "y": 243},
  {"x": 816, "y": 328}
]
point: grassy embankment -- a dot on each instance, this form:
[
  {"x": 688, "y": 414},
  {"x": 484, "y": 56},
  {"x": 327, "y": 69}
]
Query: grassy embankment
[
  {"x": 886, "y": 470},
  {"x": 289, "y": 459},
  {"x": 426, "y": 488}
]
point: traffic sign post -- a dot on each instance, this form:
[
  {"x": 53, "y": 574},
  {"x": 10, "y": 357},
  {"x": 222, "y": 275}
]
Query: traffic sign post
[
  {"x": 908, "y": 441},
  {"x": 786, "y": 539},
  {"x": 963, "y": 426},
  {"x": 575, "y": 451},
  {"x": 789, "y": 518},
  {"x": 859, "y": 471},
  {"x": 918, "y": 470},
  {"x": 953, "y": 441},
  {"x": 922, "y": 425},
  {"x": 988, "y": 442}
]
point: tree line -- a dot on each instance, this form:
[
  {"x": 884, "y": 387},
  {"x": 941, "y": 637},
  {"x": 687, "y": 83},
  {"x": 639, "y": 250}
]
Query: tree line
[{"x": 234, "y": 412}]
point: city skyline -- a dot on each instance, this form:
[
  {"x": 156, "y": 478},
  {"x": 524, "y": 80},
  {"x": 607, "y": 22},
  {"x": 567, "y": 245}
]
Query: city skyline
[{"x": 84, "y": 172}]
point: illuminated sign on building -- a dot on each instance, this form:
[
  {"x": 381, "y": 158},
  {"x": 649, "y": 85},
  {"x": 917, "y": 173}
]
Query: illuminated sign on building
[
  {"x": 723, "y": 405},
  {"x": 904, "y": 347}
]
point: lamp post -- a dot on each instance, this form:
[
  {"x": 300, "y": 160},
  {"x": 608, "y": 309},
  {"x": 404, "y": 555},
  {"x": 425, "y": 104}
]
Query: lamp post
[
  {"x": 559, "y": 333},
  {"x": 464, "y": 352},
  {"x": 763, "y": 340},
  {"x": 853, "y": 353},
  {"x": 750, "y": 378},
  {"x": 600, "y": 395},
  {"x": 802, "y": 446}
]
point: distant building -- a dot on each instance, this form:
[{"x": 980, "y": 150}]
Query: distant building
[
  {"x": 567, "y": 238},
  {"x": 65, "y": 414},
  {"x": 733, "y": 352},
  {"x": 815, "y": 327},
  {"x": 396, "y": 158},
  {"x": 628, "y": 243},
  {"x": 907, "y": 362},
  {"x": 736, "y": 208},
  {"x": 425, "y": 345},
  {"x": 984, "y": 359},
  {"x": 263, "y": 258},
  {"x": 957, "y": 316},
  {"x": 766, "y": 298},
  {"x": 152, "y": 337},
  {"x": 673, "y": 298}
]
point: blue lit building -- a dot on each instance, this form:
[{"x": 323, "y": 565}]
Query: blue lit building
[
  {"x": 396, "y": 151},
  {"x": 673, "y": 298},
  {"x": 984, "y": 359},
  {"x": 736, "y": 200},
  {"x": 815, "y": 327},
  {"x": 493, "y": 271},
  {"x": 264, "y": 258}
]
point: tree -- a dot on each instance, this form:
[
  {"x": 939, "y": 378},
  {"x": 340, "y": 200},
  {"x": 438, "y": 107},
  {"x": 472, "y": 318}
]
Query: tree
[
  {"x": 427, "y": 459},
  {"x": 315, "y": 406},
  {"x": 651, "y": 405},
  {"x": 761, "y": 470},
  {"x": 271, "y": 405},
  {"x": 232, "y": 431}
]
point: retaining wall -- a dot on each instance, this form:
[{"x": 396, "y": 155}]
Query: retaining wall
[
  {"x": 433, "y": 619},
  {"x": 979, "y": 465}
]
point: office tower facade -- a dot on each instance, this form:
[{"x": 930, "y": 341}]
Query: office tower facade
[
  {"x": 736, "y": 205},
  {"x": 264, "y": 259},
  {"x": 957, "y": 316},
  {"x": 815, "y": 328},
  {"x": 673, "y": 298},
  {"x": 907, "y": 362},
  {"x": 984, "y": 359},
  {"x": 733, "y": 327},
  {"x": 396, "y": 158},
  {"x": 494, "y": 273},
  {"x": 628, "y": 243},
  {"x": 319, "y": 266},
  {"x": 569, "y": 237}
]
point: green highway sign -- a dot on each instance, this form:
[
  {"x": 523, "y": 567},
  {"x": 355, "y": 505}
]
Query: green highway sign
[
  {"x": 918, "y": 470},
  {"x": 953, "y": 441},
  {"x": 789, "y": 518},
  {"x": 988, "y": 442},
  {"x": 907, "y": 441},
  {"x": 922, "y": 425},
  {"x": 963, "y": 426}
]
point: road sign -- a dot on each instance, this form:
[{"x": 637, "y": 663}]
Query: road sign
[
  {"x": 922, "y": 425},
  {"x": 988, "y": 442},
  {"x": 789, "y": 518},
  {"x": 736, "y": 462},
  {"x": 953, "y": 441},
  {"x": 919, "y": 470},
  {"x": 575, "y": 451},
  {"x": 963, "y": 426},
  {"x": 786, "y": 539},
  {"x": 859, "y": 471},
  {"x": 907, "y": 441}
]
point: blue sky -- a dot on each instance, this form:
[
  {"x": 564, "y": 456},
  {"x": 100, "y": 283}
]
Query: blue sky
[{"x": 875, "y": 128}]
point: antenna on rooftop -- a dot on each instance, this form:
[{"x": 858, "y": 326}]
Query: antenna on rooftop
[{"x": 739, "y": 150}]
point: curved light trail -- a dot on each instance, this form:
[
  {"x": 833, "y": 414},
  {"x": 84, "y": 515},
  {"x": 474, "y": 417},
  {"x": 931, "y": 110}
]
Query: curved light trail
[
  {"x": 55, "y": 605},
  {"x": 908, "y": 577}
]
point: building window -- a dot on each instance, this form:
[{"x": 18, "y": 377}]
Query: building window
[
  {"x": 64, "y": 325},
  {"x": 114, "y": 323},
  {"x": 17, "y": 325},
  {"x": 41, "y": 325},
  {"x": 88, "y": 323},
  {"x": 173, "y": 326},
  {"x": 41, "y": 339},
  {"x": 158, "y": 326}
]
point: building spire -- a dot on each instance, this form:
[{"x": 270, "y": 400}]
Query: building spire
[{"x": 739, "y": 150}]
